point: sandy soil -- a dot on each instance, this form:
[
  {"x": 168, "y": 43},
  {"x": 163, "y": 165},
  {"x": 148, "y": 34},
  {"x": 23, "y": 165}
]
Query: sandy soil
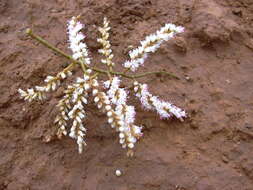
[{"x": 211, "y": 150}]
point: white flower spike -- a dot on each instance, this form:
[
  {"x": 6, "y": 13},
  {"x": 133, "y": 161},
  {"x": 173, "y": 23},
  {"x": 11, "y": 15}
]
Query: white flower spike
[
  {"x": 150, "y": 45},
  {"x": 78, "y": 47}
]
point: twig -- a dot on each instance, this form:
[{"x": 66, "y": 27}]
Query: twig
[{"x": 156, "y": 72}]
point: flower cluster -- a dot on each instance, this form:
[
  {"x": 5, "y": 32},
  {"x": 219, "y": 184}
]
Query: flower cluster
[
  {"x": 71, "y": 107},
  {"x": 109, "y": 97},
  {"x": 150, "y": 102},
  {"x": 76, "y": 37},
  {"x": 129, "y": 133},
  {"x": 117, "y": 95},
  {"x": 151, "y": 44},
  {"x": 38, "y": 93},
  {"x": 64, "y": 106},
  {"x": 106, "y": 46},
  {"x": 121, "y": 119}
]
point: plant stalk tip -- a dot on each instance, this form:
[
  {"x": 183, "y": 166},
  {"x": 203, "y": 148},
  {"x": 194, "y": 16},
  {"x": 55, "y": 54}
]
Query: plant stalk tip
[{"x": 28, "y": 31}]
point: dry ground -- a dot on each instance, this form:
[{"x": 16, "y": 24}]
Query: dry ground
[{"x": 211, "y": 150}]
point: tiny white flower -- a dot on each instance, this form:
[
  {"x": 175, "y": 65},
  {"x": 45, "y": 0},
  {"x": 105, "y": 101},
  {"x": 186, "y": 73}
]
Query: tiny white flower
[
  {"x": 108, "y": 107},
  {"x": 110, "y": 120},
  {"x": 86, "y": 77},
  {"x": 109, "y": 114},
  {"x": 89, "y": 71},
  {"x": 69, "y": 73},
  {"x": 179, "y": 29},
  {"x": 84, "y": 100},
  {"x": 94, "y": 92},
  {"x": 137, "y": 130},
  {"x": 40, "y": 88},
  {"x": 63, "y": 75},
  {"x": 95, "y": 83},
  {"x": 96, "y": 99},
  {"x": 132, "y": 139},
  {"x": 131, "y": 145},
  {"x": 121, "y": 135},
  {"x": 53, "y": 86},
  {"x": 30, "y": 91},
  {"x": 107, "y": 84},
  {"x": 100, "y": 105},
  {"x": 72, "y": 134},
  {"x": 107, "y": 102},
  {"x": 22, "y": 92},
  {"x": 121, "y": 123},
  {"x": 86, "y": 86},
  {"x": 122, "y": 140}
]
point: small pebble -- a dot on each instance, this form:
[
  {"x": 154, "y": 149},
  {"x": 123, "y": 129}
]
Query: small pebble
[
  {"x": 118, "y": 173},
  {"x": 225, "y": 159},
  {"x": 187, "y": 78},
  {"x": 228, "y": 81}
]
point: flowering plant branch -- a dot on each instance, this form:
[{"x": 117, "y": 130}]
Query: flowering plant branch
[{"x": 108, "y": 96}]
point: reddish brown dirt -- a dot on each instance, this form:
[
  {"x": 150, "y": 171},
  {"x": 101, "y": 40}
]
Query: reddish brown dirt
[{"x": 211, "y": 150}]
